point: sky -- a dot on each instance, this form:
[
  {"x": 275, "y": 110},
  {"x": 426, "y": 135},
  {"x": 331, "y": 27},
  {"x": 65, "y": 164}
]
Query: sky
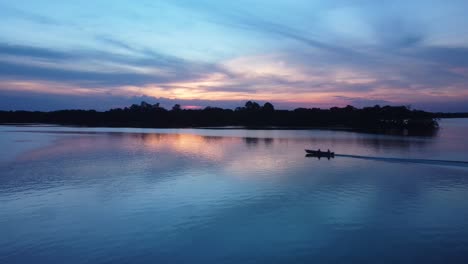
[{"x": 294, "y": 53}]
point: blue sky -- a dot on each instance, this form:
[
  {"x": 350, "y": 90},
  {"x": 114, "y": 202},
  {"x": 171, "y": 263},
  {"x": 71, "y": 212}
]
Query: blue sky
[{"x": 103, "y": 54}]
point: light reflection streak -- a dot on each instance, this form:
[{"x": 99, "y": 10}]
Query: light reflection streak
[
  {"x": 191, "y": 145},
  {"x": 237, "y": 154}
]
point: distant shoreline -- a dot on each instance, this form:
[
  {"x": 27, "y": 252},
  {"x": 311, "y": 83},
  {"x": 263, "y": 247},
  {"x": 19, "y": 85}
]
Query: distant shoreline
[
  {"x": 397, "y": 132},
  {"x": 383, "y": 120}
]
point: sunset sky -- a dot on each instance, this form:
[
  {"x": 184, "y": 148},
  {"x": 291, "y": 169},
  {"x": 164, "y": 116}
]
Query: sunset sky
[{"x": 295, "y": 53}]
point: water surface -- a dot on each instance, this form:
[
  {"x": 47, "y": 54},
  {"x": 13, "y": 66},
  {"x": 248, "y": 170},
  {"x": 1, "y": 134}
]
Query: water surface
[{"x": 124, "y": 195}]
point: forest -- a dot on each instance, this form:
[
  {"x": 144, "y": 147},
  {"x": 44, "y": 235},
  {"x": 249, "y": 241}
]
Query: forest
[{"x": 251, "y": 115}]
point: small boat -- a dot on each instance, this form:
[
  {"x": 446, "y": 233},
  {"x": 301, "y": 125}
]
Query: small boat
[{"x": 319, "y": 153}]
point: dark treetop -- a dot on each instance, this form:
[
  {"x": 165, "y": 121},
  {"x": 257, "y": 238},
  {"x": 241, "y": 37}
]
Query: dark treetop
[{"x": 252, "y": 115}]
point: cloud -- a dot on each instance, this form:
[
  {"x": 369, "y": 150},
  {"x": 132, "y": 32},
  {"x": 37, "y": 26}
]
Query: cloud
[
  {"x": 362, "y": 101},
  {"x": 110, "y": 69},
  {"x": 14, "y": 100},
  {"x": 241, "y": 18},
  {"x": 446, "y": 56},
  {"x": 308, "y": 52},
  {"x": 82, "y": 78},
  {"x": 280, "y": 77},
  {"x": 29, "y": 51},
  {"x": 12, "y": 12}
]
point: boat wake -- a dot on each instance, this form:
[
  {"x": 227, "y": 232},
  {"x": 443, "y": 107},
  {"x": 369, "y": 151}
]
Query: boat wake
[{"x": 403, "y": 160}]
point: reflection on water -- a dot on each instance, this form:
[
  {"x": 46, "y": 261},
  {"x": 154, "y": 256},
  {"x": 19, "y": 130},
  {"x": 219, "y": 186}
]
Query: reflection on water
[{"x": 107, "y": 195}]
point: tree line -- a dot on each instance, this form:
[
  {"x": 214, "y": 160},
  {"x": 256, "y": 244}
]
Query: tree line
[{"x": 251, "y": 115}]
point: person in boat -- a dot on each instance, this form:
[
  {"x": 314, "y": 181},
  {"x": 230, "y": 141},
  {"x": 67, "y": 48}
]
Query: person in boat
[
  {"x": 328, "y": 152},
  {"x": 318, "y": 151}
]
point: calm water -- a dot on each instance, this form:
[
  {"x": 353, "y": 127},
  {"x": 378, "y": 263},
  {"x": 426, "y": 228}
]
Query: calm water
[{"x": 97, "y": 195}]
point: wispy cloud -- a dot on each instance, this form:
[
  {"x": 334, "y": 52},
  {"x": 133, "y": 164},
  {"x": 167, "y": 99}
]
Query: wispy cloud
[
  {"x": 306, "y": 52},
  {"x": 109, "y": 69},
  {"x": 8, "y": 11}
]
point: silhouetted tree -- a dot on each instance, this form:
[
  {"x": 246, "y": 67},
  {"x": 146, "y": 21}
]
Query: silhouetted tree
[
  {"x": 252, "y": 105},
  {"x": 176, "y": 107},
  {"x": 145, "y": 105},
  {"x": 350, "y": 108},
  {"x": 252, "y": 115},
  {"x": 134, "y": 107},
  {"x": 268, "y": 107}
]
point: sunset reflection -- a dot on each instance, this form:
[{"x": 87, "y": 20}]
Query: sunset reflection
[
  {"x": 185, "y": 144},
  {"x": 255, "y": 151}
]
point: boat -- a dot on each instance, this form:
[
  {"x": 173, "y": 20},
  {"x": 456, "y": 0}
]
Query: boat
[{"x": 319, "y": 153}]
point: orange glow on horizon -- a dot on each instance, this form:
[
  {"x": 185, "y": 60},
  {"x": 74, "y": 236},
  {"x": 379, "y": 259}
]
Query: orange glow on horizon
[
  {"x": 280, "y": 94},
  {"x": 192, "y": 107},
  {"x": 265, "y": 77},
  {"x": 186, "y": 144}
]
